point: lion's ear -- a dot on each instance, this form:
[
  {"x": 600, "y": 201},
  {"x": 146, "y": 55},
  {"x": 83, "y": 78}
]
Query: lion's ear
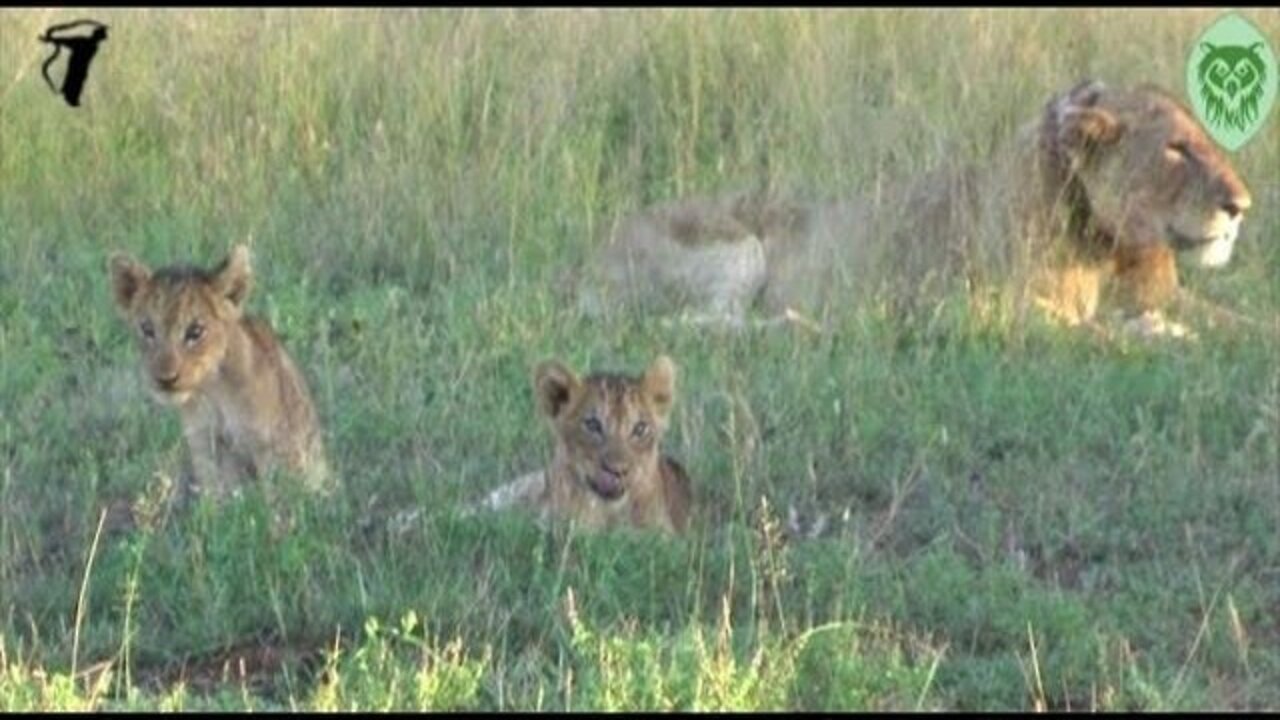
[
  {"x": 554, "y": 386},
  {"x": 660, "y": 385},
  {"x": 128, "y": 276},
  {"x": 1081, "y": 128},
  {"x": 1086, "y": 93},
  {"x": 234, "y": 277}
]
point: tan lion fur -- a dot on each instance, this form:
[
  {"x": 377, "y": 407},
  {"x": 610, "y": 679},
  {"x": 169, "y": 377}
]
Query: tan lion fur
[
  {"x": 1089, "y": 203},
  {"x": 607, "y": 469},
  {"x": 244, "y": 406}
]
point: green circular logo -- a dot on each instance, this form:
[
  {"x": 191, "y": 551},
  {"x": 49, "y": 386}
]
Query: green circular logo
[{"x": 1232, "y": 80}]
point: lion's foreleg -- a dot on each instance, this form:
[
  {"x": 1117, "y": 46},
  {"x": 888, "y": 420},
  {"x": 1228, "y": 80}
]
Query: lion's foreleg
[{"x": 1146, "y": 276}]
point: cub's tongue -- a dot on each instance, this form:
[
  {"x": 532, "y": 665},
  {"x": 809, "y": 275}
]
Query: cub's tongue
[{"x": 607, "y": 485}]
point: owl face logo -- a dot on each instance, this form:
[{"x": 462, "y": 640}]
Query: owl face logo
[{"x": 1232, "y": 81}]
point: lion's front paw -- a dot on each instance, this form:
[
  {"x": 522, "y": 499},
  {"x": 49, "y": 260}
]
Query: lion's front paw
[{"x": 1153, "y": 324}]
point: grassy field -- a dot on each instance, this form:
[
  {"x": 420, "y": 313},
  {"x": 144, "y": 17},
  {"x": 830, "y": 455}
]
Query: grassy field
[{"x": 1019, "y": 519}]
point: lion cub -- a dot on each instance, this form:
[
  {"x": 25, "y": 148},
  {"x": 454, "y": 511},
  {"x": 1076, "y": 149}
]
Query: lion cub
[
  {"x": 244, "y": 405},
  {"x": 607, "y": 469}
]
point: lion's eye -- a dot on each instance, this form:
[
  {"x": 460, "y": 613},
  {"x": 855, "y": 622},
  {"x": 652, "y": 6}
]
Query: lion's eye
[
  {"x": 640, "y": 430},
  {"x": 1177, "y": 151},
  {"x": 147, "y": 329},
  {"x": 195, "y": 331},
  {"x": 593, "y": 425}
]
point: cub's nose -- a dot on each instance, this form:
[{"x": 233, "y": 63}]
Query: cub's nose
[
  {"x": 615, "y": 470},
  {"x": 167, "y": 381}
]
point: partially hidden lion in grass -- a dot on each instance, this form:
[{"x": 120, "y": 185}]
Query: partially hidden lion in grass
[
  {"x": 245, "y": 407},
  {"x": 1093, "y": 200},
  {"x": 607, "y": 469}
]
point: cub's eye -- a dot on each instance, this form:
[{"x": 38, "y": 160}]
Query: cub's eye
[
  {"x": 593, "y": 425},
  {"x": 147, "y": 329},
  {"x": 195, "y": 331},
  {"x": 640, "y": 430}
]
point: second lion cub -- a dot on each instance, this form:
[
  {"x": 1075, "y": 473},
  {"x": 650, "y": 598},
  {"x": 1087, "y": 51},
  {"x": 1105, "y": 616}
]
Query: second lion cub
[
  {"x": 245, "y": 407},
  {"x": 607, "y": 469}
]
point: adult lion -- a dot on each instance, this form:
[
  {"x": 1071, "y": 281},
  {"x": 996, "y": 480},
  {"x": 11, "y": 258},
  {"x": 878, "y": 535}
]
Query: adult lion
[{"x": 1094, "y": 199}]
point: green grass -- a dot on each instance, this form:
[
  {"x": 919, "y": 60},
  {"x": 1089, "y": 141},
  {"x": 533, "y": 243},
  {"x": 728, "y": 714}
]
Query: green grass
[{"x": 1021, "y": 519}]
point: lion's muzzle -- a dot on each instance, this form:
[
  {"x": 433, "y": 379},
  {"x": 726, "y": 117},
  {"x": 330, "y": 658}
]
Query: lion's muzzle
[{"x": 607, "y": 482}]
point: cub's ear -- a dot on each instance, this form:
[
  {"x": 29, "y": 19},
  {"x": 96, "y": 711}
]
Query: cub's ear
[
  {"x": 128, "y": 276},
  {"x": 234, "y": 277},
  {"x": 660, "y": 385},
  {"x": 554, "y": 386}
]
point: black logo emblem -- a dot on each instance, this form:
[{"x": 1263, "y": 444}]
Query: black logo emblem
[{"x": 82, "y": 49}]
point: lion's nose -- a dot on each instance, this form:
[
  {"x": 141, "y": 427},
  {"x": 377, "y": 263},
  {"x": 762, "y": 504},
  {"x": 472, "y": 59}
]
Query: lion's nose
[
  {"x": 168, "y": 380},
  {"x": 1237, "y": 205},
  {"x": 1234, "y": 197}
]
